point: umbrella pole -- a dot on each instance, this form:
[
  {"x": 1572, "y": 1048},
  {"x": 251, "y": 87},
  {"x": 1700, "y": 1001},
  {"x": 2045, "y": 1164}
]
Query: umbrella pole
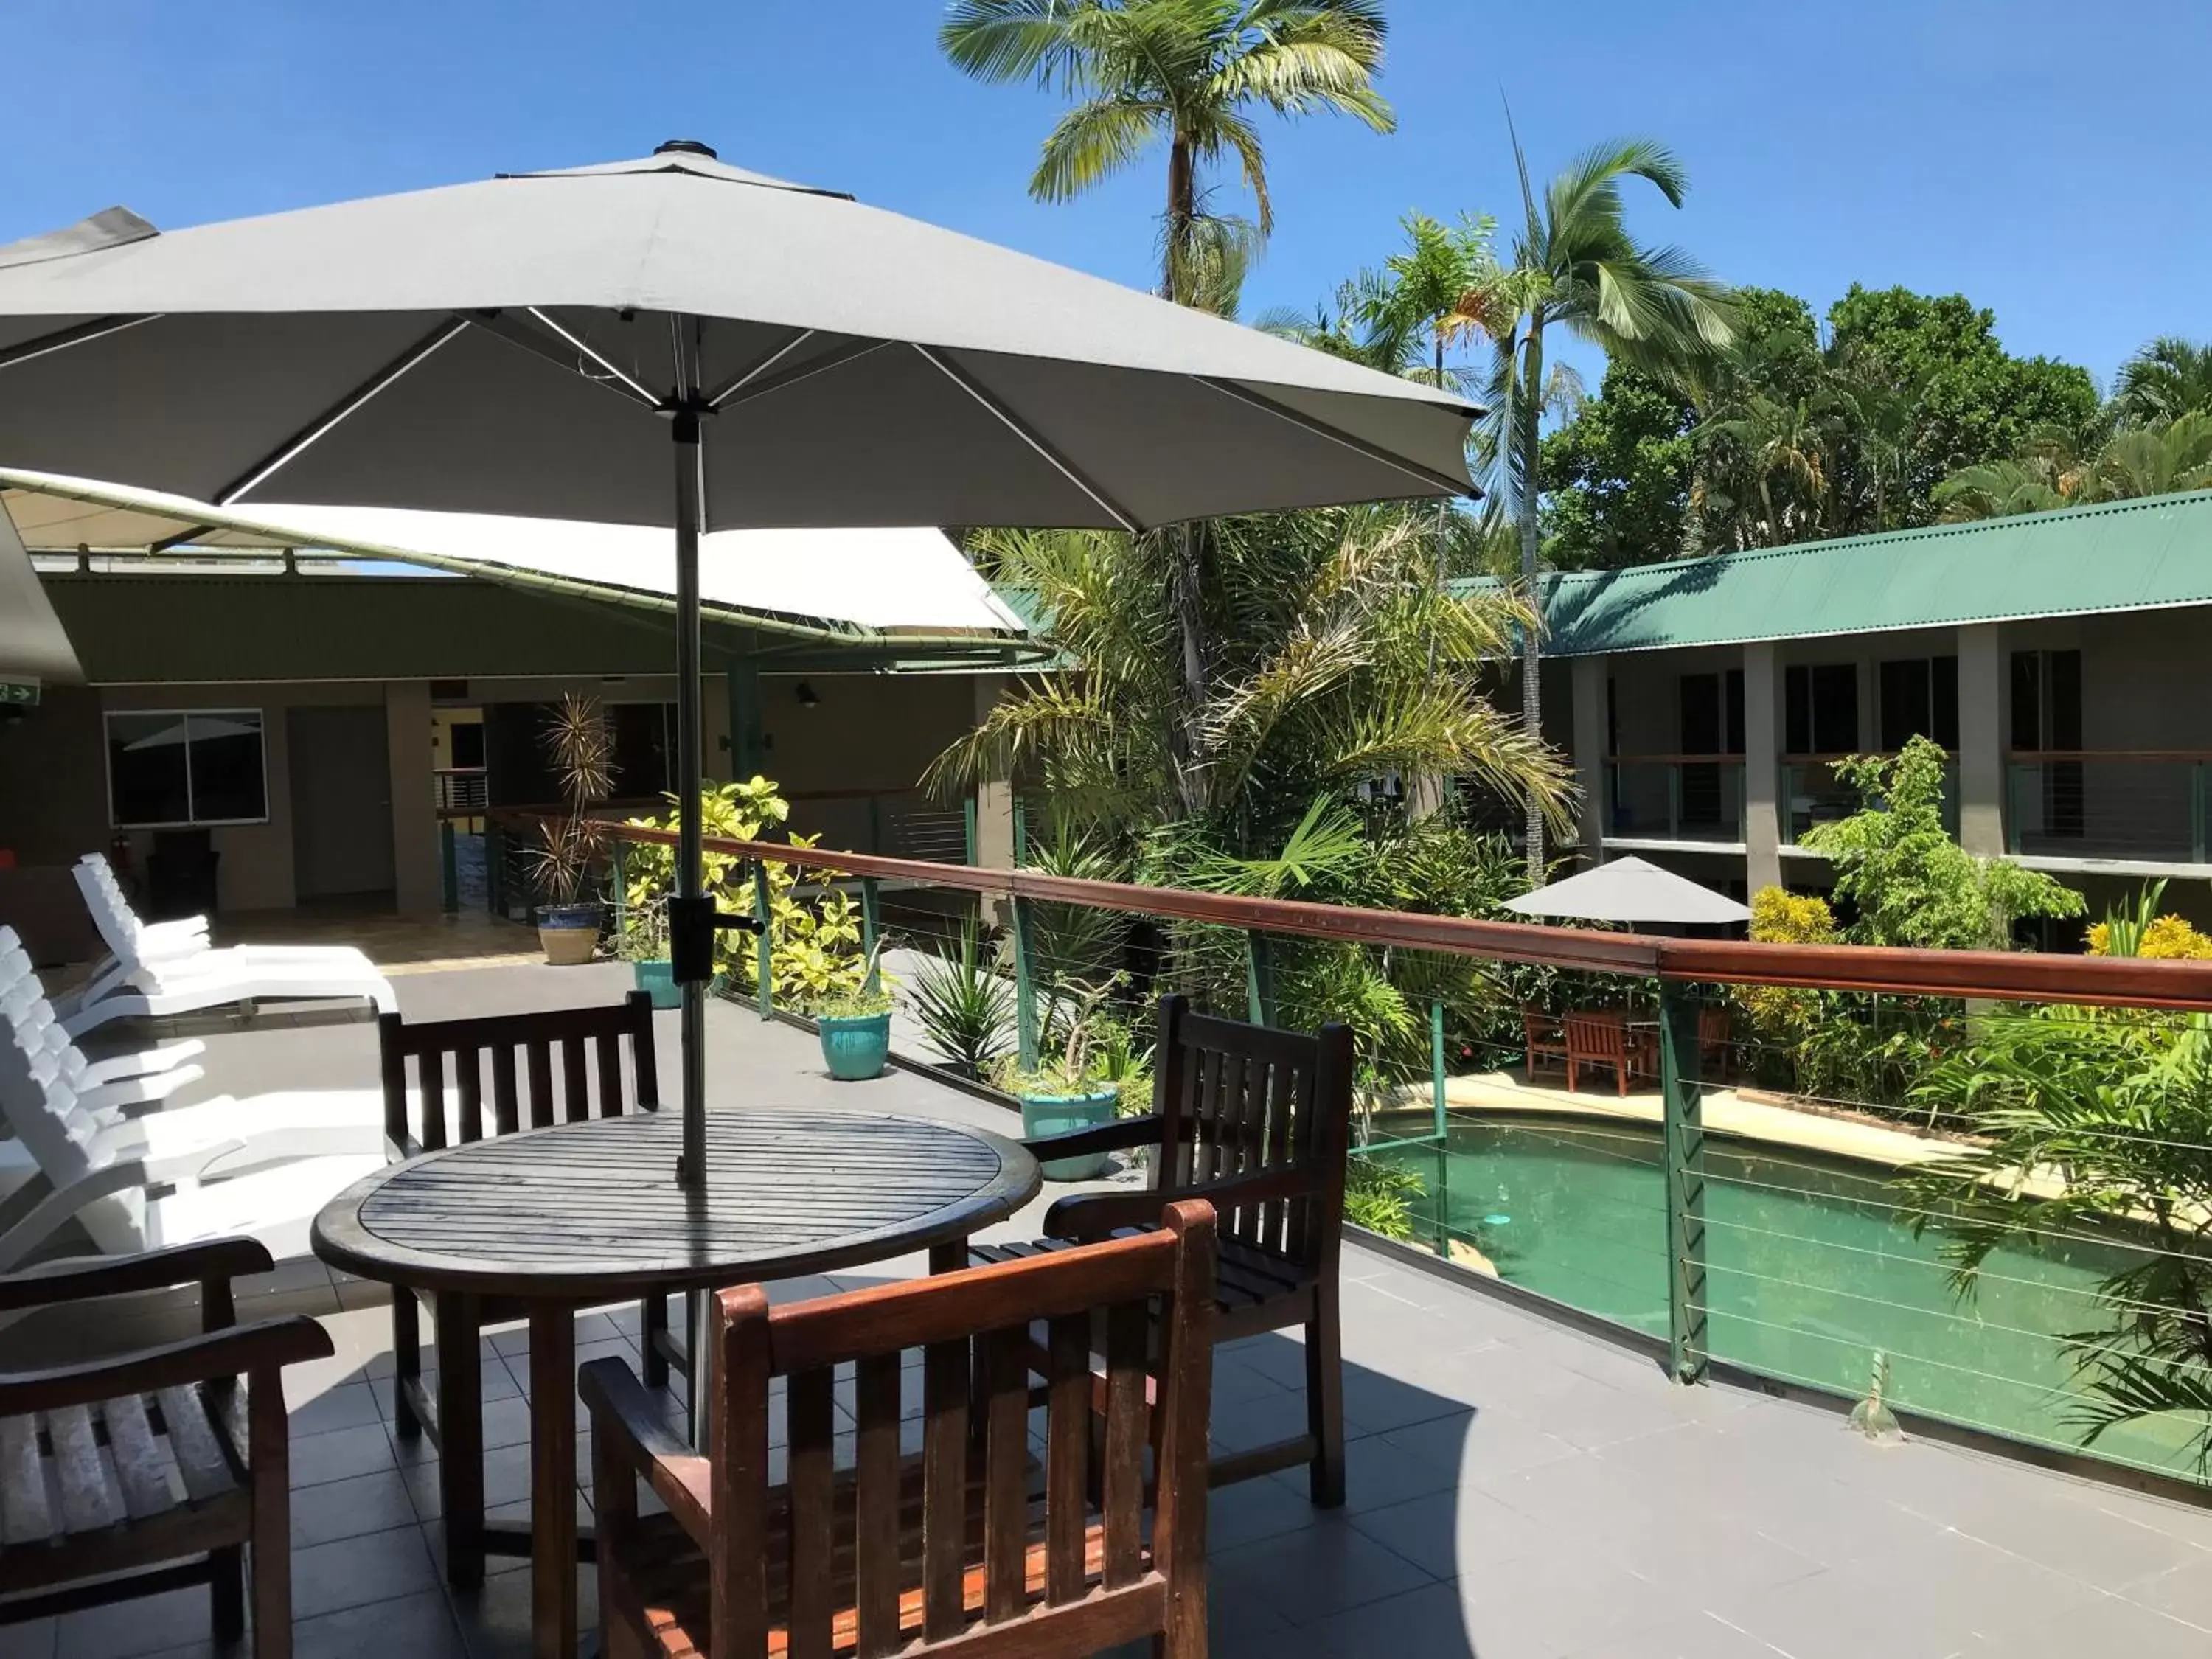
[{"x": 694, "y": 973}]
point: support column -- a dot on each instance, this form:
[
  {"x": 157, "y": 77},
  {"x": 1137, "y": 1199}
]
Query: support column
[
  {"x": 994, "y": 807},
  {"x": 1981, "y": 740},
  {"x": 1593, "y": 730},
  {"x": 1762, "y": 767},
  {"x": 748, "y": 736},
  {"x": 418, "y": 872}
]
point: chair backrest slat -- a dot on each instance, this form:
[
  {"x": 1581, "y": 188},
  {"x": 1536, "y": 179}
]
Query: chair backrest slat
[
  {"x": 432, "y": 1071},
  {"x": 840, "y": 1546},
  {"x": 1245, "y": 1100}
]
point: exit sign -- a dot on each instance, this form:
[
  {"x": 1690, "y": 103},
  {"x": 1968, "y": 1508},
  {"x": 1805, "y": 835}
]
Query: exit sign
[{"x": 19, "y": 694}]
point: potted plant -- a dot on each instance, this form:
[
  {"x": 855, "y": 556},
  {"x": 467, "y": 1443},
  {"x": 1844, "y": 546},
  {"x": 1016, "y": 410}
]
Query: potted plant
[
  {"x": 581, "y": 747},
  {"x": 855, "y": 1028},
  {"x": 1076, "y": 1086},
  {"x": 644, "y": 945}
]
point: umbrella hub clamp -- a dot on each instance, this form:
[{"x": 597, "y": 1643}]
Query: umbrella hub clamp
[{"x": 692, "y": 925}]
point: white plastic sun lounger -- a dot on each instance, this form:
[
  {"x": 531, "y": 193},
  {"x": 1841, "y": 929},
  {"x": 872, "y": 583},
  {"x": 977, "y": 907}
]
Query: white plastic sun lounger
[{"x": 170, "y": 969}]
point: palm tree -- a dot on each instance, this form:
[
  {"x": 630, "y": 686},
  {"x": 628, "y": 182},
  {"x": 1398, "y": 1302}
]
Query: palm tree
[
  {"x": 1777, "y": 440},
  {"x": 1575, "y": 264},
  {"x": 1190, "y": 72},
  {"x": 2168, "y": 378},
  {"x": 2133, "y": 462}
]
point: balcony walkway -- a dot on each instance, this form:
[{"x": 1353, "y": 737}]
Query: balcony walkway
[{"x": 1515, "y": 1489}]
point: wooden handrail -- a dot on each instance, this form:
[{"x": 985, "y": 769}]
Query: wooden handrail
[
  {"x": 2164, "y": 756},
  {"x": 1674, "y": 760},
  {"x": 2000, "y": 976}
]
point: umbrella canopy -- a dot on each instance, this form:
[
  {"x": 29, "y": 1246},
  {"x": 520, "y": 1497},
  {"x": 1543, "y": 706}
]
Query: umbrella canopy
[
  {"x": 538, "y": 343},
  {"x": 517, "y": 346},
  {"x": 32, "y": 644},
  {"x": 1630, "y": 890}
]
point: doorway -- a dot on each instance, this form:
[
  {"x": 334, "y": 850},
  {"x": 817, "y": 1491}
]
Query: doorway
[{"x": 341, "y": 794}]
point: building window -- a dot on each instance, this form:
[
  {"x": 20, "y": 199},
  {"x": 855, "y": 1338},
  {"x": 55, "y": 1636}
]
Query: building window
[
  {"x": 1821, "y": 708},
  {"x": 176, "y": 768},
  {"x": 1919, "y": 699}
]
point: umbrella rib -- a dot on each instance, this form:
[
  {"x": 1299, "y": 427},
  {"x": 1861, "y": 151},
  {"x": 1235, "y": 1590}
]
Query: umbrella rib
[
  {"x": 760, "y": 366},
  {"x": 501, "y": 326},
  {"x": 301, "y": 441},
  {"x": 596, "y": 358},
  {"x": 1036, "y": 441},
  {"x": 1259, "y": 400},
  {"x": 836, "y": 357},
  {"x": 78, "y": 334}
]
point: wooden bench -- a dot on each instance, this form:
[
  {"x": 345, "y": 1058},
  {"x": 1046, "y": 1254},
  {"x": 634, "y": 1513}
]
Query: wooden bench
[
  {"x": 1257, "y": 1122},
  {"x": 153, "y": 1470},
  {"x": 497, "y": 1075},
  {"x": 954, "y": 1546}
]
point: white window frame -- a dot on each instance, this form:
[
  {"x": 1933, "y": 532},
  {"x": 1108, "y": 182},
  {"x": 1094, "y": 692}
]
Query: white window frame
[{"x": 107, "y": 766}]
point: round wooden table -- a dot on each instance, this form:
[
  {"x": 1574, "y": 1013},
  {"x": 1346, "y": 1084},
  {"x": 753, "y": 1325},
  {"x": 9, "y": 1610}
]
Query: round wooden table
[{"x": 590, "y": 1212}]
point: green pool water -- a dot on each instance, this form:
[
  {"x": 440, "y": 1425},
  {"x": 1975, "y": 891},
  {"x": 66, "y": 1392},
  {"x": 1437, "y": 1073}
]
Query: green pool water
[{"x": 1811, "y": 1268}]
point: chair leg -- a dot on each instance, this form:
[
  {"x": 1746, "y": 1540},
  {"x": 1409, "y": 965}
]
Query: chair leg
[
  {"x": 653, "y": 1326},
  {"x": 269, "y": 1455},
  {"x": 227, "y": 1592},
  {"x": 1325, "y": 1399},
  {"x": 406, "y": 1360}
]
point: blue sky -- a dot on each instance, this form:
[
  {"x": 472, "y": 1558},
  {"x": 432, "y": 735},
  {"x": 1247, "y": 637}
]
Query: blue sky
[{"x": 2045, "y": 159}]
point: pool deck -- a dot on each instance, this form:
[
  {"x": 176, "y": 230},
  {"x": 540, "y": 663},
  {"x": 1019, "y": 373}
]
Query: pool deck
[{"x": 1516, "y": 1489}]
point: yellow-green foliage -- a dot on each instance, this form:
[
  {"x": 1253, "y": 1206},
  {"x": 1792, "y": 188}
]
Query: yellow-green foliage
[
  {"x": 814, "y": 928},
  {"x": 1778, "y": 1013},
  {"x": 2166, "y": 938}
]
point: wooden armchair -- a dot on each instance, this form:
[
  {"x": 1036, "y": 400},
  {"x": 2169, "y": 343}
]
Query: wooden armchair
[
  {"x": 1600, "y": 1037},
  {"x": 952, "y": 1548},
  {"x": 1258, "y": 1122},
  {"x": 524, "y": 1055},
  {"x": 1716, "y": 1042},
  {"x": 1545, "y": 1042},
  {"x": 149, "y": 1471}
]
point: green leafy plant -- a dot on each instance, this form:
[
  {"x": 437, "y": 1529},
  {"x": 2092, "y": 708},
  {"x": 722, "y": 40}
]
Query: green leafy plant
[
  {"x": 579, "y": 745},
  {"x": 863, "y": 1004},
  {"x": 1380, "y": 1197},
  {"x": 1081, "y": 1051},
  {"x": 965, "y": 1007},
  {"x": 644, "y": 935}
]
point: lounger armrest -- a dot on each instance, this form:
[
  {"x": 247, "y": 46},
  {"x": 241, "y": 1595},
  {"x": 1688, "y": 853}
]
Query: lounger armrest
[
  {"x": 146, "y": 1090},
  {"x": 1117, "y": 1136},
  {"x": 76, "y": 1277},
  {"x": 50, "y": 1213},
  {"x": 152, "y": 1063},
  {"x": 624, "y": 1420},
  {"x": 263, "y": 1346},
  {"x": 1087, "y": 1216}
]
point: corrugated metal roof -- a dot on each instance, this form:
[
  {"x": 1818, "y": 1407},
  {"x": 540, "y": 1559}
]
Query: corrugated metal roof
[{"x": 2139, "y": 554}]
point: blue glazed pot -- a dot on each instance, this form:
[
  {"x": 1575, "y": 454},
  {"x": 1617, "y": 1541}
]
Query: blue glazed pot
[
  {"x": 1060, "y": 1115},
  {"x": 568, "y": 933},
  {"x": 855, "y": 1047}
]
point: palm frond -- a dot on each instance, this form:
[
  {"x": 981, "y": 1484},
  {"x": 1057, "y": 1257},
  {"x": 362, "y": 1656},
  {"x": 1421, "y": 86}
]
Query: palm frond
[{"x": 1093, "y": 142}]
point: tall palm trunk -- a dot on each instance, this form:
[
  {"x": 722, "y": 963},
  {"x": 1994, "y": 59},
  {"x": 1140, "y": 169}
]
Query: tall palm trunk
[
  {"x": 1186, "y": 548},
  {"x": 1528, "y": 409}
]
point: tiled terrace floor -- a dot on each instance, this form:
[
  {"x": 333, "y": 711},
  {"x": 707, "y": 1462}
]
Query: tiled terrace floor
[{"x": 1516, "y": 1489}]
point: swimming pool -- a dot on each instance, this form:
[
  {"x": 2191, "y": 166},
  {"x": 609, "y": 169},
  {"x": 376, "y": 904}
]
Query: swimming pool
[{"x": 1811, "y": 1267}]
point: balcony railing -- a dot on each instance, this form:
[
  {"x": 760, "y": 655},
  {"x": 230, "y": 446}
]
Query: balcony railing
[
  {"x": 1813, "y": 794},
  {"x": 1686, "y": 797},
  {"x": 2138, "y": 805},
  {"x": 459, "y": 791}
]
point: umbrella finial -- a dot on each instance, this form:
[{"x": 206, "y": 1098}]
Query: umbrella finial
[{"x": 686, "y": 147}]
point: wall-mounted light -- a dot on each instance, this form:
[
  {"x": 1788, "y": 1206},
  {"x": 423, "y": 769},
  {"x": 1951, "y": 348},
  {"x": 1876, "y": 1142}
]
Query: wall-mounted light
[{"x": 806, "y": 695}]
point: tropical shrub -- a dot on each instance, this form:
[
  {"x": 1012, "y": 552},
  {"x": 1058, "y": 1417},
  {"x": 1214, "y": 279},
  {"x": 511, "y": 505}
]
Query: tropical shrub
[
  {"x": 965, "y": 1007},
  {"x": 2140, "y": 931}
]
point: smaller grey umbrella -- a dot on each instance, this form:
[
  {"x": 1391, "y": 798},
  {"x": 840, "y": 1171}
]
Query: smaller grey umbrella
[{"x": 1631, "y": 890}]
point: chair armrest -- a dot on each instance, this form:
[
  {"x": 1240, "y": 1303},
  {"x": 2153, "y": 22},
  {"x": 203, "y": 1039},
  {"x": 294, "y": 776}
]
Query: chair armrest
[
  {"x": 146, "y": 1089},
  {"x": 78, "y": 1277},
  {"x": 49, "y": 1214},
  {"x": 624, "y": 1420},
  {"x": 1121, "y": 1133},
  {"x": 1087, "y": 1216},
  {"x": 151, "y": 1061},
  {"x": 262, "y": 1346}
]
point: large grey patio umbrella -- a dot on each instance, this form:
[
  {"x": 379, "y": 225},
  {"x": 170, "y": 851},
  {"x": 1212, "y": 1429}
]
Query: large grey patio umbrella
[
  {"x": 532, "y": 345},
  {"x": 1630, "y": 890}
]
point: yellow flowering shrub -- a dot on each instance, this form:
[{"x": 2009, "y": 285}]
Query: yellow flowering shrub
[{"x": 2165, "y": 939}]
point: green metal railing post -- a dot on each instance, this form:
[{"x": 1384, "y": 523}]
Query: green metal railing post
[
  {"x": 968, "y": 830},
  {"x": 621, "y": 860},
  {"x": 763, "y": 946},
  {"x": 1685, "y": 1183},
  {"x": 869, "y": 909},
  {"x": 1026, "y": 1008},
  {"x": 1258, "y": 980},
  {"x": 2197, "y": 811},
  {"x": 1437, "y": 1065},
  {"x": 449, "y": 869},
  {"x": 2013, "y": 771},
  {"x": 495, "y": 869},
  {"x": 1673, "y": 801}
]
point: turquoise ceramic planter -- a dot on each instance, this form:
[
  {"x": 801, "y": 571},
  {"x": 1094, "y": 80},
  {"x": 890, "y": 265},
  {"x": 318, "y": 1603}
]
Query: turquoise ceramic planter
[
  {"x": 1060, "y": 1115},
  {"x": 855, "y": 1047},
  {"x": 658, "y": 981}
]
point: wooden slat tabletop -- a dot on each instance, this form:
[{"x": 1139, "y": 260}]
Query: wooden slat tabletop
[{"x": 591, "y": 1209}]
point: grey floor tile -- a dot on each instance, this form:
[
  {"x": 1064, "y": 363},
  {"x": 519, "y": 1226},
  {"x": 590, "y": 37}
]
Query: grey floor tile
[
  {"x": 1252, "y": 1510},
  {"x": 1432, "y": 1621},
  {"x": 2110, "y": 1626},
  {"x": 418, "y": 1626},
  {"x": 340, "y": 1455},
  {"x": 494, "y": 1617},
  {"x": 1560, "y": 1599},
  {"x": 1695, "y": 1636},
  {"x": 349, "y": 1509},
  {"x": 1481, "y": 1444},
  {"x": 33, "y": 1639},
  {"x": 353, "y": 1571},
  {"x": 1378, "y": 1473},
  {"x": 2183, "y": 1592},
  {"x": 144, "y": 1624},
  {"x": 1314, "y": 1573},
  {"x": 348, "y": 1405}
]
